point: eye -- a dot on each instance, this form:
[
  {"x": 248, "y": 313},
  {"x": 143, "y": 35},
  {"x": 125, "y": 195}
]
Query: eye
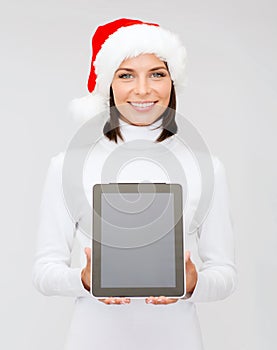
[
  {"x": 158, "y": 74},
  {"x": 125, "y": 76}
]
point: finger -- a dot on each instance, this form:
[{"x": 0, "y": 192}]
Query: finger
[
  {"x": 162, "y": 300},
  {"x": 190, "y": 266},
  {"x": 150, "y": 300},
  {"x": 115, "y": 301},
  {"x": 187, "y": 256},
  {"x": 102, "y": 300},
  {"x": 122, "y": 301},
  {"x": 88, "y": 253},
  {"x": 107, "y": 301},
  {"x": 165, "y": 301},
  {"x": 172, "y": 300},
  {"x": 189, "y": 263}
]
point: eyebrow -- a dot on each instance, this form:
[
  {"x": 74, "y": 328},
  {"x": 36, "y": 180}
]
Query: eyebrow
[{"x": 132, "y": 70}]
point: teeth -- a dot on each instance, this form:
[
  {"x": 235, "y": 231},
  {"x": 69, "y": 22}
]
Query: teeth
[{"x": 142, "y": 105}]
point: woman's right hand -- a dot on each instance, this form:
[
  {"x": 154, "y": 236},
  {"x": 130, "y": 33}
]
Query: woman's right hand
[
  {"x": 85, "y": 276},
  {"x": 115, "y": 301}
]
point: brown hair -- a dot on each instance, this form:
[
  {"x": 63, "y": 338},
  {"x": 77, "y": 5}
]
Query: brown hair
[{"x": 112, "y": 130}]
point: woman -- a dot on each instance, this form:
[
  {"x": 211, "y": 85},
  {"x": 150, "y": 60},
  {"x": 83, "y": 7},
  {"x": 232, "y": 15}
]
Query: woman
[{"x": 136, "y": 67}]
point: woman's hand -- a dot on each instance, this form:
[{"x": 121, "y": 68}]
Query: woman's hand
[
  {"x": 85, "y": 276},
  {"x": 191, "y": 279},
  {"x": 115, "y": 301},
  {"x": 160, "y": 300},
  {"x": 191, "y": 274}
]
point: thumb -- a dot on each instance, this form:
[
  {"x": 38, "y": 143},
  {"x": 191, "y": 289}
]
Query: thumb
[
  {"x": 88, "y": 255},
  {"x": 187, "y": 256}
]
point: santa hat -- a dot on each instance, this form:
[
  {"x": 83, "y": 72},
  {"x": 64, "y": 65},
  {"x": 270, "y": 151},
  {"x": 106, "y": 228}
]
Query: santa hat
[{"x": 116, "y": 41}]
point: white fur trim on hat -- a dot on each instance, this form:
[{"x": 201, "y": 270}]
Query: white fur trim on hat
[{"x": 88, "y": 106}]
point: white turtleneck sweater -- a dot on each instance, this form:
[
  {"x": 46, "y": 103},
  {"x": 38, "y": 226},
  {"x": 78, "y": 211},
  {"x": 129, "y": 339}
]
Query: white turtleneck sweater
[{"x": 60, "y": 249}]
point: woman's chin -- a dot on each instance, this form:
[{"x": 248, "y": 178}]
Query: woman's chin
[
  {"x": 133, "y": 117},
  {"x": 141, "y": 123}
]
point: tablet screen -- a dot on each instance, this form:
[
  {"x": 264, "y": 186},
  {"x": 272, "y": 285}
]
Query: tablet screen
[{"x": 128, "y": 260}]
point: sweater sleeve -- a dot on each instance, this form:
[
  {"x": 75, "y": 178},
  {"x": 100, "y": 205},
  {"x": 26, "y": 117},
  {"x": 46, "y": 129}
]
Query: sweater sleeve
[
  {"x": 52, "y": 274},
  {"x": 217, "y": 277}
]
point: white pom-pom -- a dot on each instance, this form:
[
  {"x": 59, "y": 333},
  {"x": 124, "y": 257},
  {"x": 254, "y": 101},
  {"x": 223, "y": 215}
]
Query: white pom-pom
[{"x": 84, "y": 108}]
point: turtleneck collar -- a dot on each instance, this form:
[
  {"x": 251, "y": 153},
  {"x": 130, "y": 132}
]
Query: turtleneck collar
[{"x": 133, "y": 132}]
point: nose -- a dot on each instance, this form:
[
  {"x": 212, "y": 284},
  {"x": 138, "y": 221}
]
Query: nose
[{"x": 142, "y": 86}]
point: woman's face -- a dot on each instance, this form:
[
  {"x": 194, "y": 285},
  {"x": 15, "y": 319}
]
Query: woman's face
[{"x": 141, "y": 88}]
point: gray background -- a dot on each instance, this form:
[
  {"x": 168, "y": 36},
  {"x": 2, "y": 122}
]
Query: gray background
[{"x": 230, "y": 98}]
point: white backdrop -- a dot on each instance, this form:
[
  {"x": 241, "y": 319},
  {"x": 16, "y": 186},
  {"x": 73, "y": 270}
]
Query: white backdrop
[{"x": 231, "y": 99}]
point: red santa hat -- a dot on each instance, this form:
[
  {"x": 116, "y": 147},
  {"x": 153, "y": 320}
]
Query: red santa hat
[{"x": 115, "y": 41}]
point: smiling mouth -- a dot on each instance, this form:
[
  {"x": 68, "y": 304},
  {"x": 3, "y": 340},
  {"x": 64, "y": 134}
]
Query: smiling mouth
[{"x": 143, "y": 106}]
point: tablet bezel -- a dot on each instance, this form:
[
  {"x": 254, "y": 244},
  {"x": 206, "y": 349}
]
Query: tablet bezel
[{"x": 135, "y": 292}]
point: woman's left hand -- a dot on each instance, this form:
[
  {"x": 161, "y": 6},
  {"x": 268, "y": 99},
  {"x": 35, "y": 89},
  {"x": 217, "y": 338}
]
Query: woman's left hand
[
  {"x": 191, "y": 280},
  {"x": 160, "y": 300},
  {"x": 191, "y": 274}
]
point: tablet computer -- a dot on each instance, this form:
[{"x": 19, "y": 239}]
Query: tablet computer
[{"x": 138, "y": 244}]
